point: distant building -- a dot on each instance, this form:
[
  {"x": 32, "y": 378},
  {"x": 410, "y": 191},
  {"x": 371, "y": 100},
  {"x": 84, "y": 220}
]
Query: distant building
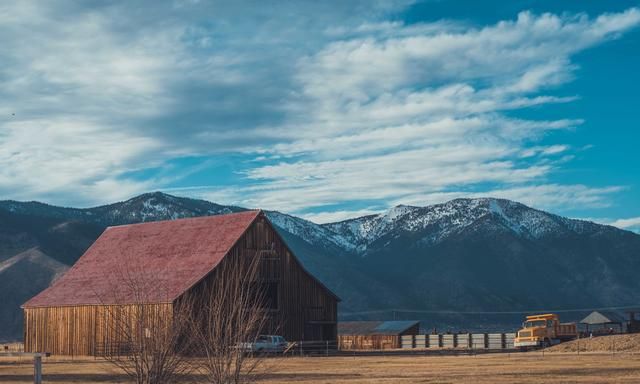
[
  {"x": 179, "y": 256},
  {"x": 374, "y": 334},
  {"x": 602, "y": 322}
]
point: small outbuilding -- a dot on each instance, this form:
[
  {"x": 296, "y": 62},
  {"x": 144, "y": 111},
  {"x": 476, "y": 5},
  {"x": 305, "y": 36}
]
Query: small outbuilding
[
  {"x": 374, "y": 334},
  {"x": 604, "y": 322}
]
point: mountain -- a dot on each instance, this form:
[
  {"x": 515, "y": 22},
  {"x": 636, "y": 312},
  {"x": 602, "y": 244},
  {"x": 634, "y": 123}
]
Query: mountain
[
  {"x": 492, "y": 254},
  {"x": 466, "y": 255},
  {"x": 147, "y": 207}
]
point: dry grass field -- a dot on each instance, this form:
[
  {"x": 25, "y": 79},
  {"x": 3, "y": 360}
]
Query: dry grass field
[{"x": 532, "y": 367}]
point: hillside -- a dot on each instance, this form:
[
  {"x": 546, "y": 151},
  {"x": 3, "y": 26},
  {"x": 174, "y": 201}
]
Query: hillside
[
  {"x": 463, "y": 255},
  {"x": 609, "y": 344}
]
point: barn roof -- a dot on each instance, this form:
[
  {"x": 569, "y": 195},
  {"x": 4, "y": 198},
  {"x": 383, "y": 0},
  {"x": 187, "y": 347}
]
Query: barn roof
[
  {"x": 163, "y": 259},
  {"x": 374, "y": 327},
  {"x": 603, "y": 317}
]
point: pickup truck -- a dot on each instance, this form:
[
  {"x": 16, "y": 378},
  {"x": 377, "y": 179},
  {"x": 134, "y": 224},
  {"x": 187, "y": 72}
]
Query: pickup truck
[
  {"x": 543, "y": 331},
  {"x": 266, "y": 344}
]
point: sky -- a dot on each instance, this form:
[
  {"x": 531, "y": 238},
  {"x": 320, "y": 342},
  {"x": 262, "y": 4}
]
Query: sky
[{"x": 326, "y": 110}]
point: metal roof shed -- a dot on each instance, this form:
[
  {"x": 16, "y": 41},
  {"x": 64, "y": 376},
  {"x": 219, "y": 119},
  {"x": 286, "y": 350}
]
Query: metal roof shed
[{"x": 600, "y": 320}]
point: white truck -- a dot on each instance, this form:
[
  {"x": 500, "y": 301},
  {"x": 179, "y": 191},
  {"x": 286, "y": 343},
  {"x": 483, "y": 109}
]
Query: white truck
[{"x": 266, "y": 344}]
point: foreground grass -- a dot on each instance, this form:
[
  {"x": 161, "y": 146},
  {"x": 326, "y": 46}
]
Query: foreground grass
[{"x": 498, "y": 368}]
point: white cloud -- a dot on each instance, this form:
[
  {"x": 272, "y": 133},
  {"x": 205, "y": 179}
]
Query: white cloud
[
  {"x": 339, "y": 215},
  {"x": 629, "y": 224},
  {"x": 408, "y": 113},
  {"x": 336, "y": 104}
]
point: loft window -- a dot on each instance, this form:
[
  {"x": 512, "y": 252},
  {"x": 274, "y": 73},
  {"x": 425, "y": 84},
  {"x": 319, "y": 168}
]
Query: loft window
[{"x": 269, "y": 253}]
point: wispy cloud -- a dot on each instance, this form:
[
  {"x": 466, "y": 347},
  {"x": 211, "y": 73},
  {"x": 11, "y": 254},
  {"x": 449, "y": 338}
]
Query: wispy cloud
[
  {"x": 335, "y": 102},
  {"x": 410, "y": 113},
  {"x": 630, "y": 224}
]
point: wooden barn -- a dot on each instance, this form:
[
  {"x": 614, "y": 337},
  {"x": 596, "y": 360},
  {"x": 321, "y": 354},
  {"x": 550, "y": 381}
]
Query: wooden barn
[
  {"x": 374, "y": 334},
  {"x": 70, "y": 317}
]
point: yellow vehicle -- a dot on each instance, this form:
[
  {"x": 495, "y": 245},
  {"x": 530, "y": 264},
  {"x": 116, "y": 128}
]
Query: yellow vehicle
[{"x": 543, "y": 331}]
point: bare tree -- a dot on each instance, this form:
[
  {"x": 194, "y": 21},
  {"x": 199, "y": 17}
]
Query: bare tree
[
  {"x": 233, "y": 309},
  {"x": 202, "y": 334},
  {"x": 147, "y": 338}
]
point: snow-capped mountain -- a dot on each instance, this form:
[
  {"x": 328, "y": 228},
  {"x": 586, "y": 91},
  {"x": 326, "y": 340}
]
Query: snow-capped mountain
[
  {"x": 440, "y": 221},
  {"x": 465, "y": 254}
]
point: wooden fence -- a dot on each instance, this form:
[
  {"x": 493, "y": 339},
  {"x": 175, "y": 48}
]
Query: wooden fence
[{"x": 461, "y": 340}]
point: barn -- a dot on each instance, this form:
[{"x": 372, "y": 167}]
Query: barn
[
  {"x": 374, "y": 334},
  {"x": 70, "y": 317}
]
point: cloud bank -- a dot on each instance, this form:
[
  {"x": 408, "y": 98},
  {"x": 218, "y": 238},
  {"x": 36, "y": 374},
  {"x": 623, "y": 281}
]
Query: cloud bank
[{"x": 336, "y": 114}]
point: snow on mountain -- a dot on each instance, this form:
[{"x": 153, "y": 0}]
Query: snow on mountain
[
  {"x": 311, "y": 232},
  {"x": 442, "y": 220},
  {"x": 433, "y": 223}
]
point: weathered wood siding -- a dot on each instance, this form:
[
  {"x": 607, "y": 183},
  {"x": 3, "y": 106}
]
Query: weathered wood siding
[
  {"x": 347, "y": 342},
  {"x": 80, "y": 330},
  {"x": 306, "y": 309}
]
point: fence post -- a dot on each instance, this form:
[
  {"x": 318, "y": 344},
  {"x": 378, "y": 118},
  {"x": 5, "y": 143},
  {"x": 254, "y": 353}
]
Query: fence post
[{"x": 37, "y": 368}]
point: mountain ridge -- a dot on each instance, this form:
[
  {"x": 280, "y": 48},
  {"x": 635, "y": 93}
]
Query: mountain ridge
[{"x": 481, "y": 254}]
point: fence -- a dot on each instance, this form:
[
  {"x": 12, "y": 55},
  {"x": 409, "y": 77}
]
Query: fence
[
  {"x": 11, "y": 348},
  {"x": 461, "y": 340},
  {"x": 317, "y": 348},
  {"x": 112, "y": 349}
]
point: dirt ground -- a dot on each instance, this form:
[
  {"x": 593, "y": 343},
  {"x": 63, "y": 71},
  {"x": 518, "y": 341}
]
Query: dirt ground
[
  {"x": 614, "y": 343},
  {"x": 531, "y": 367}
]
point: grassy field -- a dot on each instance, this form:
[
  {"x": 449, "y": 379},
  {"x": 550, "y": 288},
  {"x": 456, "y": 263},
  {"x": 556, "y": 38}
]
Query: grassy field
[{"x": 530, "y": 367}]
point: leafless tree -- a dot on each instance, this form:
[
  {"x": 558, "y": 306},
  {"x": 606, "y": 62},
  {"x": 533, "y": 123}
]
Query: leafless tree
[
  {"x": 233, "y": 309},
  {"x": 204, "y": 334},
  {"x": 147, "y": 338}
]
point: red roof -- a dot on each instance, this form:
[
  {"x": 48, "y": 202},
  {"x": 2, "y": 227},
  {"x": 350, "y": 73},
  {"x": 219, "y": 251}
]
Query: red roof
[{"x": 163, "y": 259}]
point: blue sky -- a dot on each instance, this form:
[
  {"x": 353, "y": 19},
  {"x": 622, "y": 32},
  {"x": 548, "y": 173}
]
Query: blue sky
[{"x": 326, "y": 110}]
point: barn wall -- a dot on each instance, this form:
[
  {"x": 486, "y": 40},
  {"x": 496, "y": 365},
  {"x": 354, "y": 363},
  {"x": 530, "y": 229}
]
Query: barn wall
[
  {"x": 82, "y": 330},
  {"x": 374, "y": 341},
  {"x": 348, "y": 342},
  {"x": 306, "y": 309}
]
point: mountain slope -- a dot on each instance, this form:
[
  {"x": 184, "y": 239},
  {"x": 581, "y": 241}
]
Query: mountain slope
[
  {"x": 22, "y": 277},
  {"x": 492, "y": 254},
  {"x": 463, "y": 255},
  {"x": 146, "y": 207}
]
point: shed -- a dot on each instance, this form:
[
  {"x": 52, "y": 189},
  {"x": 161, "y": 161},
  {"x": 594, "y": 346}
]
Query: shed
[
  {"x": 604, "y": 321},
  {"x": 374, "y": 334},
  {"x": 71, "y": 317}
]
